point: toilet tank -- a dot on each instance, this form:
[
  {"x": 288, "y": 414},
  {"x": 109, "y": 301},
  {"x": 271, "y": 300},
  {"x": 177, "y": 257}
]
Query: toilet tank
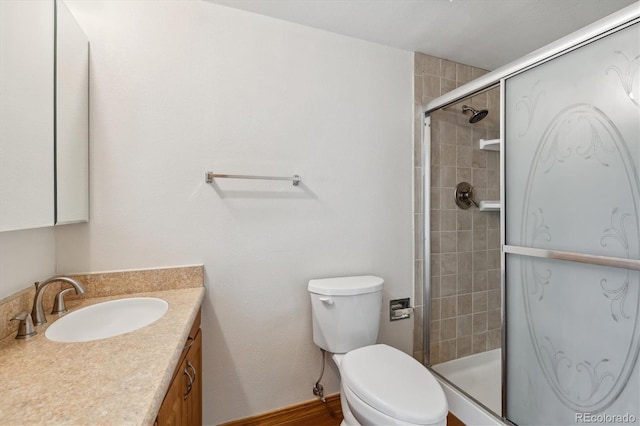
[{"x": 345, "y": 312}]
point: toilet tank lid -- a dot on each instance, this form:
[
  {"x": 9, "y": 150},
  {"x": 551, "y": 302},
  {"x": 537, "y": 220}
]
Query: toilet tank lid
[{"x": 346, "y": 286}]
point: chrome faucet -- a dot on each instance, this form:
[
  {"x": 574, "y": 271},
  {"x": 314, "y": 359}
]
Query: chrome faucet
[{"x": 38, "y": 312}]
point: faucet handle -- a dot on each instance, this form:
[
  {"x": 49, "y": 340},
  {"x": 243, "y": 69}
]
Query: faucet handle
[
  {"x": 25, "y": 328},
  {"x": 58, "y": 303}
]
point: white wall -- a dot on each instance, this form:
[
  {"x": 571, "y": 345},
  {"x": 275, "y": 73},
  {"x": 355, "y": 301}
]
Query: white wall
[
  {"x": 182, "y": 87},
  {"x": 26, "y": 257}
]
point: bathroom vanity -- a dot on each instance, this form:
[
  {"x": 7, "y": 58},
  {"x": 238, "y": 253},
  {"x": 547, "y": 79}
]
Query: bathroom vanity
[{"x": 148, "y": 376}]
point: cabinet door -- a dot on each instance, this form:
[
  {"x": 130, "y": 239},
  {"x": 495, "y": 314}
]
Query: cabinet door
[
  {"x": 193, "y": 400},
  {"x": 72, "y": 119},
  {"x": 172, "y": 411},
  {"x": 26, "y": 114}
]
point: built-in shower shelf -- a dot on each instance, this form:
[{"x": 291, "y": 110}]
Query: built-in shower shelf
[
  {"x": 490, "y": 144},
  {"x": 489, "y": 206}
]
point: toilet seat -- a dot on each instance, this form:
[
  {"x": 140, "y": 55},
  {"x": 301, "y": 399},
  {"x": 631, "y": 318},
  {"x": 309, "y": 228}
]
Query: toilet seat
[{"x": 394, "y": 384}]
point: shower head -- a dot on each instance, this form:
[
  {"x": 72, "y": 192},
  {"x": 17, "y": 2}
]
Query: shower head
[{"x": 475, "y": 114}]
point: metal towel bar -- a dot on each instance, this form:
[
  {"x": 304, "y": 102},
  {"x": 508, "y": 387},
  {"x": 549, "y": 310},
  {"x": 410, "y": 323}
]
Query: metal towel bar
[{"x": 210, "y": 175}]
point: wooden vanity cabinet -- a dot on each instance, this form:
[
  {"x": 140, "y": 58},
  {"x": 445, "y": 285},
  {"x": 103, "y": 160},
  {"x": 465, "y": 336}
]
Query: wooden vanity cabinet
[{"x": 182, "y": 404}]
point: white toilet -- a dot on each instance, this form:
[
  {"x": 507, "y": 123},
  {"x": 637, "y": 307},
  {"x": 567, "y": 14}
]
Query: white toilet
[{"x": 380, "y": 385}]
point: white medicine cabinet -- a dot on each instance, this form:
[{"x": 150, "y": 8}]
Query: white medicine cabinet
[{"x": 44, "y": 116}]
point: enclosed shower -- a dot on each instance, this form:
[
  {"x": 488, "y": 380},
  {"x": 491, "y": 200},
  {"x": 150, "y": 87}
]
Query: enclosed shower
[{"x": 532, "y": 234}]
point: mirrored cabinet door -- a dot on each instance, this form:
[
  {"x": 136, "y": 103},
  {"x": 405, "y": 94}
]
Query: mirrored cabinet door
[
  {"x": 72, "y": 119},
  {"x": 26, "y": 114},
  {"x": 44, "y": 135}
]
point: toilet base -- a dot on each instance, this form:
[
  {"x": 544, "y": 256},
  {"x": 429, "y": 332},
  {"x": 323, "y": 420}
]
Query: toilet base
[{"x": 348, "y": 419}]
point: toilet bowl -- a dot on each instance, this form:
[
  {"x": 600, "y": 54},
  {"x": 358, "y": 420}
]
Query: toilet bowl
[
  {"x": 380, "y": 385},
  {"x": 383, "y": 386}
]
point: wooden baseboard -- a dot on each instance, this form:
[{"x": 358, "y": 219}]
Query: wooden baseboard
[
  {"x": 309, "y": 413},
  {"x": 306, "y": 413},
  {"x": 454, "y": 421}
]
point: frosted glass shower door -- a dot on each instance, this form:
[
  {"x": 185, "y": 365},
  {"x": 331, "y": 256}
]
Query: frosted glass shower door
[{"x": 572, "y": 236}]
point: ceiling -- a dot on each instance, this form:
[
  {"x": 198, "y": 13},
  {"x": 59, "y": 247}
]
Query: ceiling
[{"x": 482, "y": 33}]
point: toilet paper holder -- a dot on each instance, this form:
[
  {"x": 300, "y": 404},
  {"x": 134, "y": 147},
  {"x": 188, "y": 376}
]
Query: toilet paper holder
[{"x": 400, "y": 309}]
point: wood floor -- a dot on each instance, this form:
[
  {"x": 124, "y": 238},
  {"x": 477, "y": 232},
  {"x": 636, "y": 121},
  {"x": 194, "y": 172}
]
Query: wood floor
[{"x": 311, "y": 413}]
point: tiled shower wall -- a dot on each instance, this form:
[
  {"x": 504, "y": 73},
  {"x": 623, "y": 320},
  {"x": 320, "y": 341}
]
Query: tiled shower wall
[{"x": 464, "y": 244}]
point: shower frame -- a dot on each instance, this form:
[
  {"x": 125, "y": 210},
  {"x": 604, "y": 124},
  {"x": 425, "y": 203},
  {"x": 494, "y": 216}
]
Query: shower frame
[{"x": 625, "y": 17}]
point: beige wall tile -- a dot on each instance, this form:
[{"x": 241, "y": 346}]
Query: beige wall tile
[
  {"x": 426, "y": 64},
  {"x": 477, "y": 72},
  {"x": 448, "y": 329},
  {"x": 479, "y": 281},
  {"x": 447, "y": 350},
  {"x": 464, "y": 156},
  {"x": 434, "y": 242},
  {"x": 464, "y": 304},
  {"x": 449, "y": 263},
  {"x": 493, "y": 279},
  {"x": 448, "y": 155},
  {"x": 447, "y": 285},
  {"x": 448, "y": 307},
  {"x": 479, "y": 322},
  {"x": 418, "y": 317},
  {"x": 493, "y": 259},
  {"x": 479, "y": 343},
  {"x": 435, "y": 177},
  {"x": 494, "y": 300},
  {"x": 435, "y": 308},
  {"x": 435, "y": 198},
  {"x": 448, "y": 69},
  {"x": 448, "y": 180},
  {"x": 463, "y": 346},
  {"x": 494, "y": 319},
  {"x": 479, "y": 219},
  {"x": 435, "y": 286},
  {"x": 463, "y": 219},
  {"x": 418, "y": 221},
  {"x": 493, "y": 237},
  {"x": 493, "y": 161},
  {"x": 479, "y": 239},
  {"x": 435, "y": 331},
  {"x": 464, "y": 325},
  {"x": 463, "y": 136},
  {"x": 447, "y": 85},
  {"x": 479, "y": 302},
  {"x": 435, "y": 265},
  {"x": 479, "y": 261},
  {"x": 465, "y": 283},
  {"x": 463, "y": 174},
  {"x": 418, "y": 281},
  {"x": 465, "y": 261},
  {"x": 448, "y": 221},
  {"x": 463, "y": 74},
  {"x": 418, "y": 190},
  {"x": 479, "y": 178},
  {"x": 494, "y": 339},
  {"x": 434, "y": 354},
  {"x": 479, "y": 158},
  {"x": 464, "y": 245},
  {"x": 430, "y": 86}
]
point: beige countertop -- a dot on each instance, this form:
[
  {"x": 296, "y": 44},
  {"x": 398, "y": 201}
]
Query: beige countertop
[{"x": 115, "y": 381}]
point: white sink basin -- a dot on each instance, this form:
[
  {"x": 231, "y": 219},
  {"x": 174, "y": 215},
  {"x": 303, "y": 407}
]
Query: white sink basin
[{"x": 107, "y": 319}]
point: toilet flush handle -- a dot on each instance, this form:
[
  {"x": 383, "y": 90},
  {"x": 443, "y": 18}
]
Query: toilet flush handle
[{"x": 326, "y": 300}]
